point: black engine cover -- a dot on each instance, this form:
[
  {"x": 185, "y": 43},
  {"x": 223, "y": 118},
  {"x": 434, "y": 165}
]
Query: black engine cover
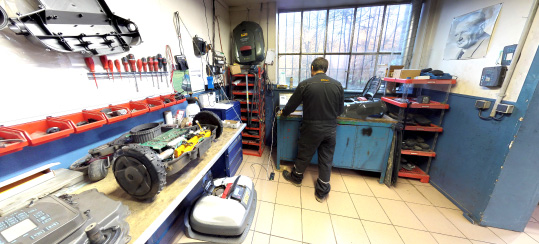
[{"x": 248, "y": 43}]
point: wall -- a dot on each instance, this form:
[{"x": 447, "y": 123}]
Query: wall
[
  {"x": 472, "y": 153},
  {"x": 266, "y": 16},
  {"x": 36, "y": 83},
  {"x": 50, "y": 83}
]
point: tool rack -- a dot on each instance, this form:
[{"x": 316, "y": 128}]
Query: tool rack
[
  {"x": 250, "y": 93},
  {"x": 404, "y": 103}
]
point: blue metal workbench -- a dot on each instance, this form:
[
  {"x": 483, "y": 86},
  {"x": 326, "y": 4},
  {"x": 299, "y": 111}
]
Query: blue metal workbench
[{"x": 361, "y": 144}]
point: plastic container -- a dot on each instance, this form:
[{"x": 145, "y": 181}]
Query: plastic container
[
  {"x": 36, "y": 132},
  {"x": 12, "y": 147},
  {"x": 76, "y": 118},
  {"x": 136, "y": 108},
  {"x": 114, "y": 119},
  {"x": 155, "y": 103},
  {"x": 170, "y": 98}
]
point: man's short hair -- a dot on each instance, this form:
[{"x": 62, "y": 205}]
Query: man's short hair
[{"x": 320, "y": 64}]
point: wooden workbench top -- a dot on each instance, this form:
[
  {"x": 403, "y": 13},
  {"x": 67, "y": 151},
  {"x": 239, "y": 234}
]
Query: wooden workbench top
[
  {"x": 384, "y": 119},
  {"x": 147, "y": 216}
]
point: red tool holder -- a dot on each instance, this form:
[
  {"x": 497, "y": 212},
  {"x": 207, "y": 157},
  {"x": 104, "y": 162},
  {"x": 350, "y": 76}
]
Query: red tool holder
[
  {"x": 171, "y": 98},
  {"x": 155, "y": 103},
  {"x": 76, "y": 118},
  {"x": 30, "y": 129},
  {"x": 136, "y": 108},
  {"x": 116, "y": 118},
  {"x": 415, "y": 173},
  {"x": 12, "y": 147}
]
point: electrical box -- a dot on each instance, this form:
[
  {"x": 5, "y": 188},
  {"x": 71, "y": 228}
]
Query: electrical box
[
  {"x": 508, "y": 53},
  {"x": 482, "y": 104},
  {"x": 505, "y": 108},
  {"x": 199, "y": 46},
  {"x": 493, "y": 76}
]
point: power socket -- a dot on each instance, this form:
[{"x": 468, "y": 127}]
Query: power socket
[
  {"x": 505, "y": 108},
  {"x": 482, "y": 104}
]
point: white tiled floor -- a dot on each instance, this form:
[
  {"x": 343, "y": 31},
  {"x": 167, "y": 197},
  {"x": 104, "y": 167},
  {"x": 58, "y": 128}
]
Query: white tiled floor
[{"x": 360, "y": 210}]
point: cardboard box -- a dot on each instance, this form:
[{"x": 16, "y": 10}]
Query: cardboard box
[
  {"x": 405, "y": 73},
  {"x": 391, "y": 69},
  {"x": 235, "y": 69}
]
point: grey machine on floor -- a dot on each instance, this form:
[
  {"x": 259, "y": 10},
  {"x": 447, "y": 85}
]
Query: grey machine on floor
[{"x": 88, "y": 217}]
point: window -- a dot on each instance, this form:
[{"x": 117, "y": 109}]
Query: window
[{"x": 355, "y": 41}]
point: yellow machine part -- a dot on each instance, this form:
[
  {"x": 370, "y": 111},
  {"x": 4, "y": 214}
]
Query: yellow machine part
[{"x": 189, "y": 145}]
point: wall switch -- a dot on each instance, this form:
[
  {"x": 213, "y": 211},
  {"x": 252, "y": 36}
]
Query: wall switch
[
  {"x": 505, "y": 108},
  {"x": 482, "y": 104}
]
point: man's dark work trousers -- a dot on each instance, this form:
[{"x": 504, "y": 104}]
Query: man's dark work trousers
[{"x": 313, "y": 136}]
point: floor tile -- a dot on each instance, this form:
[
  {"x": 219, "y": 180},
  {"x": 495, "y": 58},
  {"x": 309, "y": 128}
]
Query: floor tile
[
  {"x": 443, "y": 239},
  {"x": 471, "y": 231},
  {"x": 266, "y": 190},
  {"x": 350, "y": 172},
  {"x": 410, "y": 236},
  {"x": 535, "y": 214},
  {"x": 435, "y": 197},
  {"x": 253, "y": 225},
  {"x": 337, "y": 183},
  {"x": 513, "y": 237},
  {"x": 249, "y": 238},
  {"x": 250, "y": 170},
  {"x": 357, "y": 185},
  {"x": 434, "y": 220},
  {"x": 532, "y": 229},
  {"x": 339, "y": 203},
  {"x": 409, "y": 193},
  {"x": 261, "y": 238},
  {"x": 400, "y": 215},
  {"x": 264, "y": 219},
  {"x": 381, "y": 190},
  {"x": 317, "y": 227},
  {"x": 308, "y": 201},
  {"x": 479, "y": 242},
  {"x": 186, "y": 239},
  {"x": 348, "y": 230},
  {"x": 287, "y": 222},
  {"x": 416, "y": 182},
  {"x": 381, "y": 233},
  {"x": 368, "y": 208},
  {"x": 288, "y": 194},
  {"x": 279, "y": 240},
  {"x": 255, "y": 159}
]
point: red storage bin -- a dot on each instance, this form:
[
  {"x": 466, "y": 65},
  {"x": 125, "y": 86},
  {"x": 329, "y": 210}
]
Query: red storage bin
[
  {"x": 76, "y": 118},
  {"x": 155, "y": 103},
  {"x": 12, "y": 147},
  {"x": 136, "y": 108},
  {"x": 36, "y": 132},
  {"x": 169, "y": 97},
  {"x": 115, "y": 119}
]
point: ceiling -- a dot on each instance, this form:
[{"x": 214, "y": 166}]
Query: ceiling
[{"x": 308, "y": 4}]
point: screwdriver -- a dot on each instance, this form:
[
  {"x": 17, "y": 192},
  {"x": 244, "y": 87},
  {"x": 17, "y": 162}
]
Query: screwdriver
[
  {"x": 139, "y": 67},
  {"x": 150, "y": 65},
  {"x": 90, "y": 63},
  {"x": 111, "y": 68},
  {"x": 118, "y": 67},
  {"x": 126, "y": 65},
  {"x": 164, "y": 62},
  {"x": 160, "y": 64},
  {"x": 133, "y": 62},
  {"x": 156, "y": 69},
  {"x": 145, "y": 66},
  {"x": 105, "y": 62}
]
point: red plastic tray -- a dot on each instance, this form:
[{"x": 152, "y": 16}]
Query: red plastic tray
[
  {"x": 141, "y": 108},
  {"x": 117, "y": 118},
  {"x": 431, "y": 128},
  {"x": 172, "y": 100},
  {"x": 181, "y": 101},
  {"x": 83, "y": 116},
  {"x": 12, "y": 147},
  {"x": 156, "y": 103},
  {"x": 415, "y": 173},
  {"x": 421, "y": 81},
  {"x": 431, "y": 105},
  {"x": 419, "y": 153},
  {"x": 35, "y": 132}
]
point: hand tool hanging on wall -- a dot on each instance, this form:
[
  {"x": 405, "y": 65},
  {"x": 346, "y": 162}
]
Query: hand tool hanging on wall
[
  {"x": 160, "y": 65},
  {"x": 145, "y": 67},
  {"x": 139, "y": 67},
  {"x": 90, "y": 63},
  {"x": 118, "y": 67},
  {"x": 105, "y": 62},
  {"x": 156, "y": 69},
  {"x": 150, "y": 66},
  {"x": 111, "y": 68},
  {"x": 133, "y": 64},
  {"x": 126, "y": 64},
  {"x": 165, "y": 69}
]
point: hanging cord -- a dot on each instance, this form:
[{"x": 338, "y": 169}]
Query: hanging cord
[
  {"x": 176, "y": 20},
  {"x": 219, "y": 31},
  {"x": 168, "y": 55}
]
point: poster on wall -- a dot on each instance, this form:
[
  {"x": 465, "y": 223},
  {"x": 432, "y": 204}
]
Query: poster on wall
[{"x": 470, "y": 34}]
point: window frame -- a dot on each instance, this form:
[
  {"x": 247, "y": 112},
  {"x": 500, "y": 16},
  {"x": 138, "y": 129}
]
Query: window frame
[{"x": 350, "y": 53}]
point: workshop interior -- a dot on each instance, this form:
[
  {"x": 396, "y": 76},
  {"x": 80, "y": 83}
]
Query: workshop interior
[{"x": 163, "y": 121}]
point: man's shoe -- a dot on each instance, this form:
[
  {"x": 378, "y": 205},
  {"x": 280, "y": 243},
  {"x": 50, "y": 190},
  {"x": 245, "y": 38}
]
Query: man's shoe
[
  {"x": 288, "y": 177},
  {"x": 320, "y": 198}
]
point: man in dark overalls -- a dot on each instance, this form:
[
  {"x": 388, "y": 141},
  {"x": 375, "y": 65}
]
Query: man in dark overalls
[{"x": 323, "y": 101}]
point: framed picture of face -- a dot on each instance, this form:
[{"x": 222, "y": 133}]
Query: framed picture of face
[{"x": 470, "y": 33}]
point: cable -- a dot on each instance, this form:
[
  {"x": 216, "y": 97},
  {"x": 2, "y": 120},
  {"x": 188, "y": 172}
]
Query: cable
[
  {"x": 176, "y": 20},
  {"x": 483, "y": 118},
  {"x": 498, "y": 118}
]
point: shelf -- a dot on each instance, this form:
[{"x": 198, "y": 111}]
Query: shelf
[
  {"x": 251, "y": 142},
  {"x": 431, "y": 105},
  {"x": 114, "y": 119},
  {"x": 419, "y": 153},
  {"x": 154, "y": 103},
  {"x": 255, "y": 111},
  {"x": 244, "y": 102},
  {"x": 415, "y": 173},
  {"x": 76, "y": 118},
  {"x": 431, "y": 128},
  {"x": 136, "y": 108},
  {"x": 252, "y": 152},
  {"x": 242, "y": 93},
  {"x": 243, "y": 84},
  {"x": 252, "y": 120},
  {"x": 181, "y": 101},
  {"x": 168, "y": 100},
  {"x": 243, "y": 75},
  {"x": 15, "y": 146},
  {"x": 35, "y": 132},
  {"x": 422, "y": 81}
]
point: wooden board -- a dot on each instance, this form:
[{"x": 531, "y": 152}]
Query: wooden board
[{"x": 147, "y": 216}]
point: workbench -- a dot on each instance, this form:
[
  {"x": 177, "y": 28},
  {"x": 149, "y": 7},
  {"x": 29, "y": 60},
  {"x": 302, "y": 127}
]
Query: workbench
[
  {"x": 147, "y": 216},
  {"x": 362, "y": 144}
]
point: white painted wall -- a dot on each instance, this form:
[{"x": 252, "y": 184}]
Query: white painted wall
[
  {"x": 266, "y": 18},
  {"x": 35, "y": 83},
  {"x": 434, "y": 32}
]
